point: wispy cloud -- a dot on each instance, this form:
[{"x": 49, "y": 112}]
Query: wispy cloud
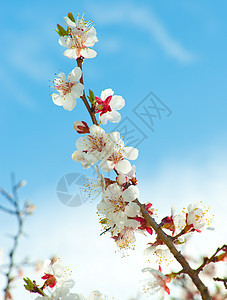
[
  {"x": 16, "y": 91},
  {"x": 147, "y": 20}
]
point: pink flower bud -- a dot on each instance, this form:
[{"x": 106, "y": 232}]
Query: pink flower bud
[{"x": 81, "y": 127}]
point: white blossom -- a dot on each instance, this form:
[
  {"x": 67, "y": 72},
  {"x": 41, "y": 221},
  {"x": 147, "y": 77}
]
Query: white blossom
[
  {"x": 108, "y": 105},
  {"x": 68, "y": 90},
  {"x": 95, "y": 146},
  {"x": 95, "y": 187},
  {"x": 57, "y": 269},
  {"x": 118, "y": 159},
  {"x": 96, "y": 295},
  {"x": 161, "y": 253},
  {"x": 82, "y": 37},
  {"x": 155, "y": 283},
  {"x": 61, "y": 293},
  {"x": 117, "y": 210},
  {"x": 198, "y": 216}
]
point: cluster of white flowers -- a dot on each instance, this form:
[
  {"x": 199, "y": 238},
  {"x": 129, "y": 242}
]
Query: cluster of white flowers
[
  {"x": 58, "y": 284},
  {"x": 118, "y": 207},
  {"x": 80, "y": 38},
  {"x": 107, "y": 147},
  {"x": 119, "y": 211}
]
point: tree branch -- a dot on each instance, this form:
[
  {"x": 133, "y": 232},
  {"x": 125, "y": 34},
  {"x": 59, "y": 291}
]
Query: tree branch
[
  {"x": 92, "y": 114},
  {"x": 178, "y": 256},
  {"x": 207, "y": 260},
  {"x": 16, "y": 237}
]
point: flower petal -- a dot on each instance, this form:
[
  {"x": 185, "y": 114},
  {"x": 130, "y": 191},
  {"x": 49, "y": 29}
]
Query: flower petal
[
  {"x": 88, "y": 53},
  {"x": 117, "y": 102},
  {"x": 72, "y": 53},
  {"x": 132, "y": 209},
  {"x": 123, "y": 166},
  {"x": 106, "y": 165},
  {"x": 131, "y": 193},
  {"x": 57, "y": 99},
  {"x": 75, "y": 75},
  {"x": 77, "y": 90},
  {"x": 58, "y": 269},
  {"x": 66, "y": 41},
  {"x": 113, "y": 116},
  {"x": 106, "y": 93},
  {"x": 130, "y": 153},
  {"x": 69, "y": 103}
]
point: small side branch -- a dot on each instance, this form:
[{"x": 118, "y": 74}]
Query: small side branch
[
  {"x": 224, "y": 280},
  {"x": 213, "y": 259},
  {"x": 167, "y": 240},
  {"x": 15, "y": 202}
]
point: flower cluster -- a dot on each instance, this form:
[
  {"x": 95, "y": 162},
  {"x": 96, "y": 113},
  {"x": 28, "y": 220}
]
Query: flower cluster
[
  {"x": 58, "y": 284},
  {"x": 121, "y": 214},
  {"x": 79, "y": 37}
]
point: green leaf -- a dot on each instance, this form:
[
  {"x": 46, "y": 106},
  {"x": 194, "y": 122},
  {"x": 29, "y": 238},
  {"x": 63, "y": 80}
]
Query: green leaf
[
  {"x": 61, "y": 31},
  {"x": 29, "y": 284},
  {"x": 71, "y": 17},
  {"x": 91, "y": 97}
]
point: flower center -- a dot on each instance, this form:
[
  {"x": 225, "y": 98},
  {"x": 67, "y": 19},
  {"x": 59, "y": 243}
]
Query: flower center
[
  {"x": 65, "y": 88},
  {"x": 98, "y": 143},
  {"x": 103, "y": 106}
]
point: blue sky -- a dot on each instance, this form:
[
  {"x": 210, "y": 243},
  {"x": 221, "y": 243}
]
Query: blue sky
[{"x": 175, "y": 49}]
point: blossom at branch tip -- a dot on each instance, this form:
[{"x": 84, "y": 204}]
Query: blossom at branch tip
[
  {"x": 198, "y": 217},
  {"x": 55, "y": 274},
  {"x": 81, "y": 37},
  {"x": 108, "y": 105},
  {"x": 95, "y": 146},
  {"x": 118, "y": 159},
  {"x": 156, "y": 283},
  {"x": 68, "y": 90}
]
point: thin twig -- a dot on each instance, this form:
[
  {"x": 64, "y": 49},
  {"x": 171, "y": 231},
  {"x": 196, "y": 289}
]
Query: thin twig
[
  {"x": 207, "y": 260},
  {"x": 7, "y": 210},
  {"x": 16, "y": 237},
  {"x": 92, "y": 114}
]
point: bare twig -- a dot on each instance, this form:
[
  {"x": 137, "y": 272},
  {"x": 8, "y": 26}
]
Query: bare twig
[
  {"x": 207, "y": 260},
  {"x": 7, "y": 210},
  {"x": 92, "y": 114},
  {"x": 15, "y": 202}
]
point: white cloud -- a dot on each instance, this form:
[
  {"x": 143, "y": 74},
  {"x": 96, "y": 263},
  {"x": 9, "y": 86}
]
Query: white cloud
[{"x": 144, "y": 18}]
